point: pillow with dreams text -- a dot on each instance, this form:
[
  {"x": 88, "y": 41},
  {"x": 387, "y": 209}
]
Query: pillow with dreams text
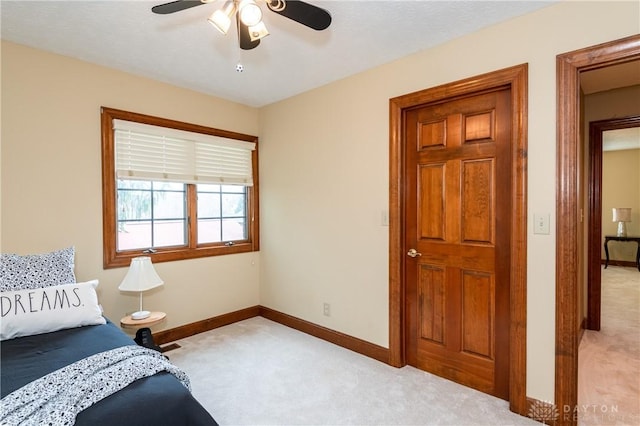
[{"x": 42, "y": 310}]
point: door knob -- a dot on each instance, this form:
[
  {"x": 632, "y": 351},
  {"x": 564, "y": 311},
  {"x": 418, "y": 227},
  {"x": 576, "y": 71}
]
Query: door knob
[{"x": 413, "y": 253}]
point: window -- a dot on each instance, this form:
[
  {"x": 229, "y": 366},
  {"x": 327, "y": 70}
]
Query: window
[{"x": 175, "y": 190}]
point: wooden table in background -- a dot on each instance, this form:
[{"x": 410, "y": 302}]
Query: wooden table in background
[{"x": 608, "y": 238}]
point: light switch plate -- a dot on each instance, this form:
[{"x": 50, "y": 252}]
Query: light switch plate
[
  {"x": 384, "y": 218},
  {"x": 541, "y": 223}
]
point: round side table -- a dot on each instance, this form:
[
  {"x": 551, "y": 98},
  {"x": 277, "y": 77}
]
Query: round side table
[
  {"x": 153, "y": 319},
  {"x": 143, "y": 333}
]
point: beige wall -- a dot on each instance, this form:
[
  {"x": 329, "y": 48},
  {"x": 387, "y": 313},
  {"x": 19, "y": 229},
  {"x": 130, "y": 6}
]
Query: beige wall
[
  {"x": 51, "y": 177},
  {"x": 324, "y": 176},
  {"x": 621, "y": 188}
]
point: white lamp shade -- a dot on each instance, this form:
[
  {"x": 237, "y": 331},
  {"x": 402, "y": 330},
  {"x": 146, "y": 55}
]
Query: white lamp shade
[
  {"x": 621, "y": 214},
  {"x": 141, "y": 276}
]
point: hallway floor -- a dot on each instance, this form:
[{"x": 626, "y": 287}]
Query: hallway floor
[{"x": 609, "y": 360}]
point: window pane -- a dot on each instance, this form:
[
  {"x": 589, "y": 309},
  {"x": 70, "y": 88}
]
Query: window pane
[
  {"x": 208, "y": 205},
  {"x": 134, "y": 204},
  {"x": 226, "y": 202},
  {"x": 168, "y": 186},
  {"x": 233, "y": 229},
  {"x": 168, "y": 205},
  {"x": 133, "y": 184},
  {"x": 233, "y": 205},
  {"x": 209, "y": 231},
  {"x": 134, "y": 235},
  {"x": 143, "y": 210},
  {"x": 233, "y": 188},
  {"x": 169, "y": 233}
]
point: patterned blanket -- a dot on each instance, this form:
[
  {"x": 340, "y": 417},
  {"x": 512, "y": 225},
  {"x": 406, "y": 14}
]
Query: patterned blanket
[{"x": 58, "y": 397}]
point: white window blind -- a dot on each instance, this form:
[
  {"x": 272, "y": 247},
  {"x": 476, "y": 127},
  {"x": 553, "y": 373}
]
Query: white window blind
[{"x": 147, "y": 152}]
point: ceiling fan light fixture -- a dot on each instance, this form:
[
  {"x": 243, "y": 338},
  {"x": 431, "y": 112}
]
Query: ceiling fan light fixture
[
  {"x": 221, "y": 19},
  {"x": 258, "y": 31},
  {"x": 248, "y": 16},
  {"x": 249, "y": 12},
  {"x": 276, "y": 5}
]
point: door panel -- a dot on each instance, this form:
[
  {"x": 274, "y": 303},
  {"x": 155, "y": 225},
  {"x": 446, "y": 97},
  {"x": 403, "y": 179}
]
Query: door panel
[
  {"x": 477, "y": 201},
  {"x": 477, "y": 313},
  {"x": 457, "y": 217},
  {"x": 432, "y": 298},
  {"x": 431, "y": 209}
]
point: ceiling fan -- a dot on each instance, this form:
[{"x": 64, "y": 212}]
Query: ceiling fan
[{"x": 249, "y": 16}]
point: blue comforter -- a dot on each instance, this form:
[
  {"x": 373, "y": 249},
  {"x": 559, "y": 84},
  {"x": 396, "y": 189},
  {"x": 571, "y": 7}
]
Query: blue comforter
[{"x": 157, "y": 400}]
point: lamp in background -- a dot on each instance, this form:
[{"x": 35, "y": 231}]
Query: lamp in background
[
  {"x": 140, "y": 278},
  {"x": 622, "y": 216}
]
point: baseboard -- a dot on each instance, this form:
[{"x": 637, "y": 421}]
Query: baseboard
[
  {"x": 625, "y": 263},
  {"x": 349, "y": 342},
  {"x": 352, "y": 343},
  {"x": 173, "y": 334}
]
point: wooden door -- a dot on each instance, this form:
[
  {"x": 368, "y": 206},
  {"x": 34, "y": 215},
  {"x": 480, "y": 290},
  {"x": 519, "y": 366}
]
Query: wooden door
[{"x": 458, "y": 215}]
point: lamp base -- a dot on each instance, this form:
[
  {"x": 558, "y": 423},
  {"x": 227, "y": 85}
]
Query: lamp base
[
  {"x": 140, "y": 315},
  {"x": 622, "y": 229}
]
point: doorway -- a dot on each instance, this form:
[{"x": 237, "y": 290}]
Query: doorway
[
  {"x": 514, "y": 80},
  {"x": 568, "y": 246},
  {"x": 594, "y": 271}
]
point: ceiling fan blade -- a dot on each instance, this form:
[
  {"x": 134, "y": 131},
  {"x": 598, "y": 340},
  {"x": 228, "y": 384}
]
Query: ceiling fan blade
[
  {"x": 301, "y": 12},
  {"x": 245, "y": 37},
  {"x": 175, "y": 6}
]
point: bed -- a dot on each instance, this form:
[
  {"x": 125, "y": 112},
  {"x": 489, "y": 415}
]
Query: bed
[{"x": 27, "y": 357}]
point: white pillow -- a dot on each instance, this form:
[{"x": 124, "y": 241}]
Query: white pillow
[{"x": 41, "y": 310}]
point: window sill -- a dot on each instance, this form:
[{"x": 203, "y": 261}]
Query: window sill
[{"x": 123, "y": 259}]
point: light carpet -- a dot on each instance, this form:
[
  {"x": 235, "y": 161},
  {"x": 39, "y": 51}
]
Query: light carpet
[
  {"x": 609, "y": 360},
  {"x": 258, "y": 372}
]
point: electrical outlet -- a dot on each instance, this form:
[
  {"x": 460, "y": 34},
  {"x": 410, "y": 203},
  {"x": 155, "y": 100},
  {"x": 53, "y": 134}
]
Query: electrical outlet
[{"x": 327, "y": 310}]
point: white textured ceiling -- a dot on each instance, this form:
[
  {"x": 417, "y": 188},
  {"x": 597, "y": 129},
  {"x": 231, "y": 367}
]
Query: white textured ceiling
[{"x": 184, "y": 50}]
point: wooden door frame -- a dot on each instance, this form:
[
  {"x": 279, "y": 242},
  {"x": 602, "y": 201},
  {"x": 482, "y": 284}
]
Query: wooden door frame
[
  {"x": 514, "y": 78},
  {"x": 594, "y": 277},
  {"x": 568, "y": 69}
]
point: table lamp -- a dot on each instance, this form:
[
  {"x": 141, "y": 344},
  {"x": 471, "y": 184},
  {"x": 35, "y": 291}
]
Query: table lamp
[
  {"x": 140, "y": 278},
  {"x": 622, "y": 216}
]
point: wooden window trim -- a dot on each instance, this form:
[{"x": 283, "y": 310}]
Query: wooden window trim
[{"x": 114, "y": 259}]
